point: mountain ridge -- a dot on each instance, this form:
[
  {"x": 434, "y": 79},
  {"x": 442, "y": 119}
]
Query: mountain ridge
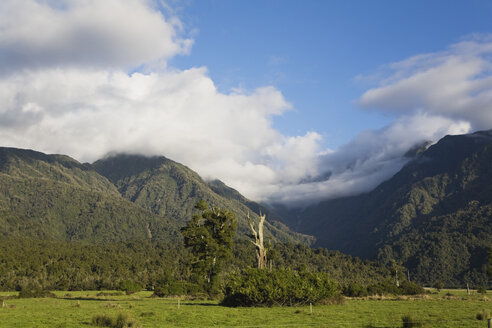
[
  {"x": 56, "y": 197},
  {"x": 446, "y": 185}
]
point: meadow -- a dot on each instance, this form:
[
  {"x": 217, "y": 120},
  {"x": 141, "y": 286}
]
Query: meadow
[{"x": 449, "y": 308}]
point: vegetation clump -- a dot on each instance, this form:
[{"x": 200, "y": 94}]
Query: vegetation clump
[
  {"x": 282, "y": 287},
  {"x": 386, "y": 287},
  {"x": 410, "y": 322},
  {"x": 123, "y": 320},
  {"x": 209, "y": 236},
  {"x": 34, "y": 292},
  {"x": 130, "y": 287},
  {"x": 483, "y": 315}
]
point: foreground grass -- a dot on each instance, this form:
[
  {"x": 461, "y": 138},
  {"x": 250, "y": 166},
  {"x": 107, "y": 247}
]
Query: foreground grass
[{"x": 76, "y": 309}]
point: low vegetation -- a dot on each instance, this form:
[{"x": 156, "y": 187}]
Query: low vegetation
[
  {"x": 432, "y": 310},
  {"x": 122, "y": 320},
  {"x": 278, "y": 287}
]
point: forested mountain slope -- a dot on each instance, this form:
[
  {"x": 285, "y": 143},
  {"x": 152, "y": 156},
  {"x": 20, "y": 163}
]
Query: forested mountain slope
[
  {"x": 170, "y": 189},
  {"x": 56, "y": 197},
  {"x": 434, "y": 215},
  {"x": 118, "y": 199}
]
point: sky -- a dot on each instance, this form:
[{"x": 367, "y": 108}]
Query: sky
[{"x": 286, "y": 101}]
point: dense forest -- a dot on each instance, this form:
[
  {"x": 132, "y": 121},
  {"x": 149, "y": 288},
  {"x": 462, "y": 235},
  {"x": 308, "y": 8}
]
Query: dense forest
[
  {"x": 119, "y": 222},
  {"x": 59, "y": 265},
  {"x": 434, "y": 216}
]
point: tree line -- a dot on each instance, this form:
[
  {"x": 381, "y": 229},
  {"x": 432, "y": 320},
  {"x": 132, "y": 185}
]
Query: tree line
[{"x": 210, "y": 261}]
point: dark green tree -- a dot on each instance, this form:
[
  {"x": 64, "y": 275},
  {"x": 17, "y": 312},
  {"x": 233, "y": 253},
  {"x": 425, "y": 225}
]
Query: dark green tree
[{"x": 209, "y": 235}]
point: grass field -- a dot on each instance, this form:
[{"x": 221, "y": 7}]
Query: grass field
[{"x": 76, "y": 309}]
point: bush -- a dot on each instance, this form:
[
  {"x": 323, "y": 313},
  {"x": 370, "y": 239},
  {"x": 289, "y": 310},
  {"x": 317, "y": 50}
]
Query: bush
[
  {"x": 383, "y": 288},
  {"x": 409, "y": 322},
  {"x": 35, "y": 292},
  {"x": 438, "y": 285},
  {"x": 256, "y": 287},
  {"x": 123, "y": 320},
  {"x": 354, "y": 290},
  {"x": 482, "y": 290},
  {"x": 130, "y": 287},
  {"x": 102, "y": 320},
  {"x": 483, "y": 315},
  {"x": 411, "y": 288}
]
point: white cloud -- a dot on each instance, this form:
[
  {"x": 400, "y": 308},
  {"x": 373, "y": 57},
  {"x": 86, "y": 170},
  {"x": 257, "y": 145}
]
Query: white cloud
[
  {"x": 370, "y": 158},
  {"x": 456, "y": 83},
  {"x": 89, "y": 33},
  {"x": 88, "y": 113}
]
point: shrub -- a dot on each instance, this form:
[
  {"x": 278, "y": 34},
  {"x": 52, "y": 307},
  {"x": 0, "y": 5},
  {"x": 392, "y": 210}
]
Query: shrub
[
  {"x": 411, "y": 288},
  {"x": 35, "y": 292},
  {"x": 482, "y": 290},
  {"x": 383, "y": 288},
  {"x": 438, "y": 285},
  {"x": 483, "y": 315},
  {"x": 102, "y": 320},
  {"x": 123, "y": 320},
  {"x": 354, "y": 290},
  {"x": 130, "y": 287},
  {"x": 256, "y": 287},
  {"x": 409, "y": 322}
]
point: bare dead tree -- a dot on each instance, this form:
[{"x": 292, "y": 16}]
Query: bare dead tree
[{"x": 261, "y": 252}]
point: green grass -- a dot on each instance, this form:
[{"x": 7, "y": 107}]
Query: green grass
[{"x": 76, "y": 309}]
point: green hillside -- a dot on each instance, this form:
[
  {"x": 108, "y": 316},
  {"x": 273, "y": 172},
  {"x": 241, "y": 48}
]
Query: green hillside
[
  {"x": 170, "y": 189},
  {"x": 434, "y": 216},
  {"x": 117, "y": 199},
  {"x": 56, "y": 197}
]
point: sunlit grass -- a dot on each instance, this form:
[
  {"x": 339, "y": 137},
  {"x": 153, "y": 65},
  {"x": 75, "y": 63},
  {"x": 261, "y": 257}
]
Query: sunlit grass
[{"x": 76, "y": 309}]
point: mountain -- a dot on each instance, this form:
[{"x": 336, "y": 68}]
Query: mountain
[
  {"x": 55, "y": 197},
  {"x": 117, "y": 199},
  {"x": 434, "y": 215},
  {"x": 167, "y": 188}
]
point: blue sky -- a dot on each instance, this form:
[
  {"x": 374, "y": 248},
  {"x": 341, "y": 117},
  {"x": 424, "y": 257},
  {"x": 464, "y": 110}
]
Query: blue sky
[
  {"x": 313, "y": 51},
  {"x": 286, "y": 101}
]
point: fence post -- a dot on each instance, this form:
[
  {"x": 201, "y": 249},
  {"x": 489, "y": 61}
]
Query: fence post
[
  {"x": 311, "y": 308},
  {"x": 178, "y": 303},
  {"x": 489, "y": 323}
]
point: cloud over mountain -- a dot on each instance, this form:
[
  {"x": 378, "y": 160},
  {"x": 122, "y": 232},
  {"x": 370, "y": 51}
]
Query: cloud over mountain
[{"x": 90, "y": 77}]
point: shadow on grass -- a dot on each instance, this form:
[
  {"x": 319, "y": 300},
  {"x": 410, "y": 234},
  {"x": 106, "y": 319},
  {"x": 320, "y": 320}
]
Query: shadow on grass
[
  {"x": 200, "y": 304},
  {"x": 90, "y": 299}
]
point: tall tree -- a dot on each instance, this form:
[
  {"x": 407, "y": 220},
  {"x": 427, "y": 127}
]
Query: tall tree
[{"x": 209, "y": 235}]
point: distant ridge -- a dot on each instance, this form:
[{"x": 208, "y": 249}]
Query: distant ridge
[{"x": 434, "y": 216}]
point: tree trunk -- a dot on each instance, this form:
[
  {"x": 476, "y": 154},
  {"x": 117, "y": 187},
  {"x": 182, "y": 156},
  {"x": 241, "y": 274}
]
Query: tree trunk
[{"x": 261, "y": 252}]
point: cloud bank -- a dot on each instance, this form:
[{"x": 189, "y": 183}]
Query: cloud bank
[
  {"x": 90, "y": 77},
  {"x": 456, "y": 83},
  {"x": 88, "y": 33}
]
